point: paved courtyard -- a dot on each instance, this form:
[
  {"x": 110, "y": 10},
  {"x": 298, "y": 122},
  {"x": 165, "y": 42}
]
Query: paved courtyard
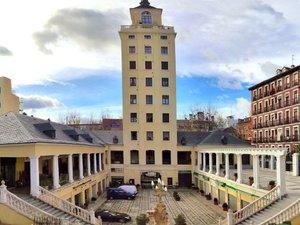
[{"x": 197, "y": 210}]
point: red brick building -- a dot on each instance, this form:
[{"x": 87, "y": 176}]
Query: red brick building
[
  {"x": 244, "y": 129},
  {"x": 275, "y": 110}
]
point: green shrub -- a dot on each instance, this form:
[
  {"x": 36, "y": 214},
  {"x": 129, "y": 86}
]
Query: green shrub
[
  {"x": 180, "y": 220},
  {"x": 142, "y": 219}
]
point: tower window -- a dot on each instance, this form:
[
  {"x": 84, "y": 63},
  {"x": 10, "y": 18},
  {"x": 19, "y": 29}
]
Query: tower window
[
  {"x": 131, "y": 49},
  {"x": 164, "y": 50},
  {"x": 148, "y": 50},
  {"x": 133, "y": 99},
  {"x": 146, "y": 18},
  {"x": 165, "y": 100},
  {"x": 149, "y": 117},
  {"x": 134, "y": 135},
  {"x": 131, "y": 36},
  {"x": 148, "y": 81},
  {"x": 166, "y": 136},
  {"x": 164, "y": 37},
  {"x": 149, "y": 99},
  {"x": 165, "y": 82},
  {"x": 133, "y": 117},
  {"x": 147, "y": 36},
  {"x": 164, "y": 65},
  {"x": 132, "y": 81},
  {"x": 165, "y": 117},
  {"x": 132, "y": 65},
  {"x": 148, "y": 65},
  {"x": 150, "y": 136}
]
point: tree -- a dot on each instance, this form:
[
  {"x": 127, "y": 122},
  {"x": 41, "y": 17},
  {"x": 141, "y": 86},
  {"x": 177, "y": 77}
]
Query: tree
[
  {"x": 71, "y": 118},
  {"x": 180, "y": 220},
  {"x": 142, "y": 219}
]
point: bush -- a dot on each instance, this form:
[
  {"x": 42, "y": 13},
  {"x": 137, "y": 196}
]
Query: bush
[
  {"x": 225, "y": 207},
  {"x": 142, "y": 219},
  {"x": 180, "y": 220},
  {"x": 208, "y": 196}
]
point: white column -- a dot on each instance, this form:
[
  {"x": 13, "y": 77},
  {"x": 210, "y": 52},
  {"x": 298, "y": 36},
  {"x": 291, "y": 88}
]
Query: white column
[
  {"x": 88, "y": 164},
  {"x": 255, "y": 171},
  {"x": 227, "y": 166},
  {"x": 80, "y": 166},
  {"x": 34, "y": 176},
  {"x": 199, "y": 160},
  {"x": 263, "y": 164},
  {"x": 204, "y": 162},
  {"x": 95, "y": 163},
  {"x": 210, "y": 163},
  {"x": 3, "y": 192},
  {"x": 239, "y": 168},
  {"x": 296, "y": 164},
  {"x": 272, "y": 162},
  {"x": 218, "y": 162},
  {"x": 70, "y": 168},
  {"x": 280, "y": 173},
  {"x": 100, "y": 162},
  {"x": 55, "y": 172}
]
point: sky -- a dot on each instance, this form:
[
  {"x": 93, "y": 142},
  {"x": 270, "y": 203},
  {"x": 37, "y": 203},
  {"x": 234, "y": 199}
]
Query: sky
[{"x": 64, "y": 56}]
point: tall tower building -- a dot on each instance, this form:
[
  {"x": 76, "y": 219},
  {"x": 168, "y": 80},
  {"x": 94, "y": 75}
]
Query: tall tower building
[
  {"x": 9, "y": 102},
  {"x": 149, "y": 94}
]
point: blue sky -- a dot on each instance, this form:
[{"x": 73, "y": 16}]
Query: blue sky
[{"x": 64, "y": 56}]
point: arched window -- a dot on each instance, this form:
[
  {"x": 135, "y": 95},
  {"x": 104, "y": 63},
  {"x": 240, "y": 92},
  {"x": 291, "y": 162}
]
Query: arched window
[{"x": 146, "y": 18}]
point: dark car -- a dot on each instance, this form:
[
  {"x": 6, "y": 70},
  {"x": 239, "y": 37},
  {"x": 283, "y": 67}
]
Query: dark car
[
  {"x": 118, "y": 193},
  {"x": 108, "y": 216}
]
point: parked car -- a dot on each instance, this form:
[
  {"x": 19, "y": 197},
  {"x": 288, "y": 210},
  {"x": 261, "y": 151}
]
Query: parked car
[
  {"x": 109, "y": 216},
  {"x": 129, "y": 188},
  {"x": 119, "y": 193}
]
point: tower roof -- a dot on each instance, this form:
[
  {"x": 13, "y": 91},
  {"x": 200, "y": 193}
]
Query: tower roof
[{"x": 145, "y": 4}]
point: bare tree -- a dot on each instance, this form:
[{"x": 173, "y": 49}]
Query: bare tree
[{"x": 70, "y": 118}]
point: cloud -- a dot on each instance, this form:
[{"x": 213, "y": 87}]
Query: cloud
[
  {"x": 239, "y": 109},
  {"x": 39, "y": 102},
  {"x": 92, "y": 30},
  {"x": 5, "y": 52}
]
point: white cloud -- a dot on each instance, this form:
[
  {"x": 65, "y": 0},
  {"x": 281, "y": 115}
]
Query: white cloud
[
  {"x": 5, "y": 52},
  {"x": 33, "y": 102},
  {"x": 239, "y": 109}
]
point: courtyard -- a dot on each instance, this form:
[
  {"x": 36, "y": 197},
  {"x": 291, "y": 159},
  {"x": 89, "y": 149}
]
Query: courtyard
[{"x": 197, "y": 210}]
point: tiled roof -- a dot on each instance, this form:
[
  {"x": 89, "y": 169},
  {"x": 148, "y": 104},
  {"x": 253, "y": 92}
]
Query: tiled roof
[
  {"x": 17, "y": 128},
  {"x": 107, "y": 136},
  {"x": 191, "y": 138}
]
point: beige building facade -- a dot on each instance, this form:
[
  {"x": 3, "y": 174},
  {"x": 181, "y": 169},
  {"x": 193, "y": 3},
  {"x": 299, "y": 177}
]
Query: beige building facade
[{"x": 9, "y": 102}]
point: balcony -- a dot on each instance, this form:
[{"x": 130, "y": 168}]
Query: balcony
[
  {"x": 279, "y": 105},
  {"x": 254, "y": 98},
  {"x": 272, "y": 92},
  {"x": 287, "y": 120},
  {"x": 287, "y": 103},
  {"x": 272, "y": 123},
  {"x": 296, "y": 101},
  {"x": 266, "y": 124},
  {"x": 265, "y": 109},
  {"x": 266, "y": 94},
  {"x": 279, "y": 122},
  {"x": 287, "y": 86},
  {"x": 295, "y": 120},
  {"x": 260, "y": 95},
  {"x": 295, "y": 83},
  {"x": 279, "y": 88},
  {"x": 272, "y": 107}
]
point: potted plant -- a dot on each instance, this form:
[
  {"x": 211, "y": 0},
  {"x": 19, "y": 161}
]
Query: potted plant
[
  {"x": 208, "y": 196},
  {"x": 225, "y": 207},
  {"x": 202, "y": 192},
  {"x": 180, "y": 220},
  {"x": 176, "y": 196},
  {"x": 216, "y": 201},
  {"x": 142, "y": 219},
  {"x": 271, "y": 185},
  {"x": 251, "y": 181}
]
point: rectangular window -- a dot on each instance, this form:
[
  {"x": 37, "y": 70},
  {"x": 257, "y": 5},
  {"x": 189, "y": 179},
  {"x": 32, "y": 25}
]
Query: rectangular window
[
  {"x": 164, "y": 37},
  {"x": 131, "y": 36},
  {"x": 164, "y": 65},
  {"x": 149, "y": 117},
  {"x": 131, "y": 49},
  {"x": 164, "y": 50},
  {"x": 116, "y": 157},
  {"x": 132, "y": 65},
  {"x": 148, "y": 81},
  {"x": 184, "y": 158},
  {"x": 147, "y": 36},
  {"x": 148, "y": 50},
  {"x": 165, "y": 100},
  {"x": 132, "y": 81},
  {"x": 149, "y": 135},
  {"x": 165, "y": 118},
  {"x": 149, "y": 99},
  {"x": 148, "y": 65},
  {"x": 165, "y": 82},
  {"x": 166, "y": 136},
  {"x": 133, "y": 99},
  {"x": 134, "y": 135},
  {"x": 133, "y": 117}
]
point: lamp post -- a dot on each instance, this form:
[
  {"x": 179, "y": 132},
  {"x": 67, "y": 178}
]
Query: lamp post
[{"x": 160, "y": 213}]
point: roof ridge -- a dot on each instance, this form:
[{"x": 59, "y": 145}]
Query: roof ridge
[{"x": 207, "y": 137}]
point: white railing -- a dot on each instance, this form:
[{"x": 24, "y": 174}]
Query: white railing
[
  {"x": 68, "y": 207},
  {"x": 26, "y": 209},
  {"x": 254, "y": 207},
  {"x": 287, "y": 214}
]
